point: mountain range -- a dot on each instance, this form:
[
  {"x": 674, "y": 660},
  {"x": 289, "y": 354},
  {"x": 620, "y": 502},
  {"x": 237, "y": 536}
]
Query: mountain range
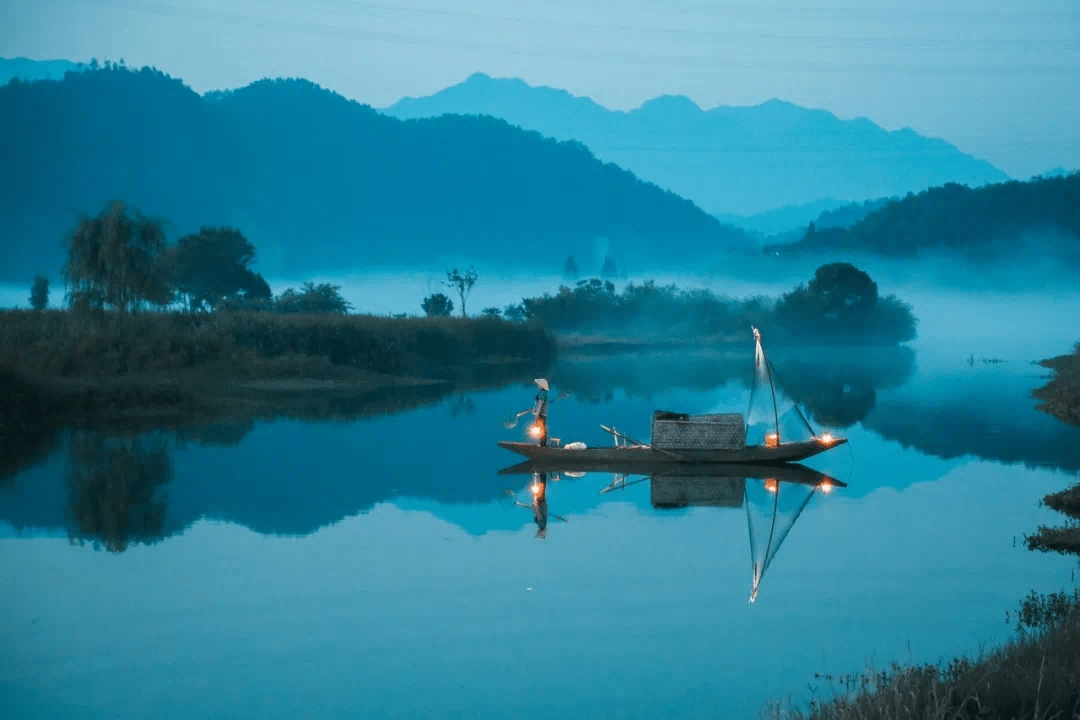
[
  {"x": 318, "y": 182},
  {"x": 736, "y": 160}
]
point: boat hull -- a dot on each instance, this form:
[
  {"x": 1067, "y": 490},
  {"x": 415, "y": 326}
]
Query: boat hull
[
  {"x": 784, "y": 472},
  {"x": 647, "y": 456}
]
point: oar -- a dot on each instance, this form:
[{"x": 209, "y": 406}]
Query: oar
[
  {"x": 511, "y": 421},
  {"x": 557, "y": 517},
  {"x": 624, "y": 484}
]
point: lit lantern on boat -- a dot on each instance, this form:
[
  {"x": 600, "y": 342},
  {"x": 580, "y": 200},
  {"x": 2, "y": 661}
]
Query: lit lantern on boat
[
  {"x": 535, "y": 488},
  {"x": 772, "y": 440},
  {"x": 771, "y": 485},
  {"x": 826, "y": 438},
  {"x": 535, "y": 430},
  {"x": 826, "y": 487}
]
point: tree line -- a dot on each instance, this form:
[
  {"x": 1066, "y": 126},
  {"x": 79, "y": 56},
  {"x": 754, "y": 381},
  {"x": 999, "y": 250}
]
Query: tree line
[
  {"x": 840, "y": 304},
  {"x": 121, "y": 260},
  {"x": 985, "y": 223}
]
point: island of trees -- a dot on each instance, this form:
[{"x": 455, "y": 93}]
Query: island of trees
[{"x": 840, "y": 305}]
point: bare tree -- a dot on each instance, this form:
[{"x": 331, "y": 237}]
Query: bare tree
[{"x": 463, "y": 284}]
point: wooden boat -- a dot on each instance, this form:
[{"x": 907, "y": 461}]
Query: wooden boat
[
  {"x": 584, "y": 459},
  {"x": 679, "y": 438}
]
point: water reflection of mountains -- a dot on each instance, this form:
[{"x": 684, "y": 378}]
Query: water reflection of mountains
[
  {"x": 838, "y": 386},
  {"x": 120, "y": 490}
]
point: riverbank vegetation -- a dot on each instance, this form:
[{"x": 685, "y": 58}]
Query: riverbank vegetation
[
  {"x": 153, "y": 328},
  {"x": 840, "y": 304},
  {"x": 1031, "y": 676}
]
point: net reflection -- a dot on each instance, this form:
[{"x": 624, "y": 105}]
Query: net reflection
[{"x": 774, "y": 497}]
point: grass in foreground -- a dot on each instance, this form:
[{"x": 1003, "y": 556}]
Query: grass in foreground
[{"x": 1033, "y": 676}]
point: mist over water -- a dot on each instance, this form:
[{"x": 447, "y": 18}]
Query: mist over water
[{"x": 1014, "y": 325}]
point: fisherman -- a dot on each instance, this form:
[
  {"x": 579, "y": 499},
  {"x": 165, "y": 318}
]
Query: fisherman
[
  {"x": 540, "y": 408},
  {"x": 540, "y": 506}
]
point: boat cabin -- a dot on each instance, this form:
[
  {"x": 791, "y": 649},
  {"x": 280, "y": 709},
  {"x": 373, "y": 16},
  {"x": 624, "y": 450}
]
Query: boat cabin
[{"x": 680, "y": 431}]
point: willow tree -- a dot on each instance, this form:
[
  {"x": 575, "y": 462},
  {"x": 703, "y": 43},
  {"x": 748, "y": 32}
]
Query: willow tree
[{"x": 117, "y": 260}]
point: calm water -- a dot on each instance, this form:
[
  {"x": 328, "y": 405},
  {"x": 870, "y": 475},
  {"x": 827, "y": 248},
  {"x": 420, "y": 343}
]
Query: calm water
[{"x": 381, "y": 567}]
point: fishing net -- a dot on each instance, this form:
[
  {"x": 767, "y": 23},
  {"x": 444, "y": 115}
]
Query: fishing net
[
  {"x": 772, "y": 412},
  {"x": 772, "y": 507}
]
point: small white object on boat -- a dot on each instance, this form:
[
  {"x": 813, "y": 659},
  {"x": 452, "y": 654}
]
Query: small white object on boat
[{"x": 574, "y": 446}]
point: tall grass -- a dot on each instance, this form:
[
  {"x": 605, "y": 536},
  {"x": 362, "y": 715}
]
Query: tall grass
[
  {"x": 66, "y": 344},
  {"x": 1036, "y": 675}
]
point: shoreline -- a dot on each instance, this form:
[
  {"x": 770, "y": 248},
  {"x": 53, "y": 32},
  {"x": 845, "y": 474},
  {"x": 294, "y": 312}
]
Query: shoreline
[
  {"x": 1060, "y": 397},
  {"x": 60, "y": 369}
]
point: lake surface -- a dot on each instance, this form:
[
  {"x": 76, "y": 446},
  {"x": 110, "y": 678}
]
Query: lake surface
[{"x": 382, "y": 568}]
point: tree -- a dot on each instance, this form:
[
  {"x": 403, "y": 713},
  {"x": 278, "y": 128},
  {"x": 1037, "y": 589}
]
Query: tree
[
  {"x": 843, "y": 301},
  {"x": 212, "y": 265},
  {"x": 437, "y": 305},
  {"x": 461, "y": 283},
  {"x": 39, "y": 293},
  {"x": 608, "y": 270},
  {"x": 492, "y": 312},
  {"x": 117, "y": 488},
  {"x": 322, "y": 298},
  {"x": 844, "y": 290},
  {"x": 514, "y": 312},
  {"x": 117, "y": 260},
  {"x": 570, "y": 270}
]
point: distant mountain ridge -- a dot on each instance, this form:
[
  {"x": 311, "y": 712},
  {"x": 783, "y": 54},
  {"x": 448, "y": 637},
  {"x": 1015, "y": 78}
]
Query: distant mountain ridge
[
  {"x": 319, "y": 183},
  {"x": 782, "y": 219},
  {"x": 789, "y": 223},
  {"x": 739, "y": 160},
  {"x": 30, "y": 70}
]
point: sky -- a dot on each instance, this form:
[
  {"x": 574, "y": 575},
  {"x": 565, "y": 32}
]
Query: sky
[{"x": 997, "y": 78}]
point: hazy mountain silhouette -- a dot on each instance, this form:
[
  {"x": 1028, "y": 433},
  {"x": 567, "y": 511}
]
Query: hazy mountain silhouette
[
  {"x": 782, "y": 219},
  {"x": 742, "y": 160},
  {"x": 29, "y": 70},
  {"x": 316, "y": 181}
]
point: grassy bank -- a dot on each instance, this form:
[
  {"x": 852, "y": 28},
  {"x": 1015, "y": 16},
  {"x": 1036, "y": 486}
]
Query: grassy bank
[
  {"x": 1032, "y": 676},
  {"x": 75, "y": 366},
  {"x": 1061, "y": 396}
]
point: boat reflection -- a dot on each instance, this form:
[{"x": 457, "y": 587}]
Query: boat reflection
[
  {"x": 774, "y": 497},
  {"x": 773, "y": 504},
  {"x": 539, "y": 504}
]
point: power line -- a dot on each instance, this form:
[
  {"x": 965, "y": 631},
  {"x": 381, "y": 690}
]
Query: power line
[
  {"x": 698, "y": 61},
  {"x": 910, "y": 42}
]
